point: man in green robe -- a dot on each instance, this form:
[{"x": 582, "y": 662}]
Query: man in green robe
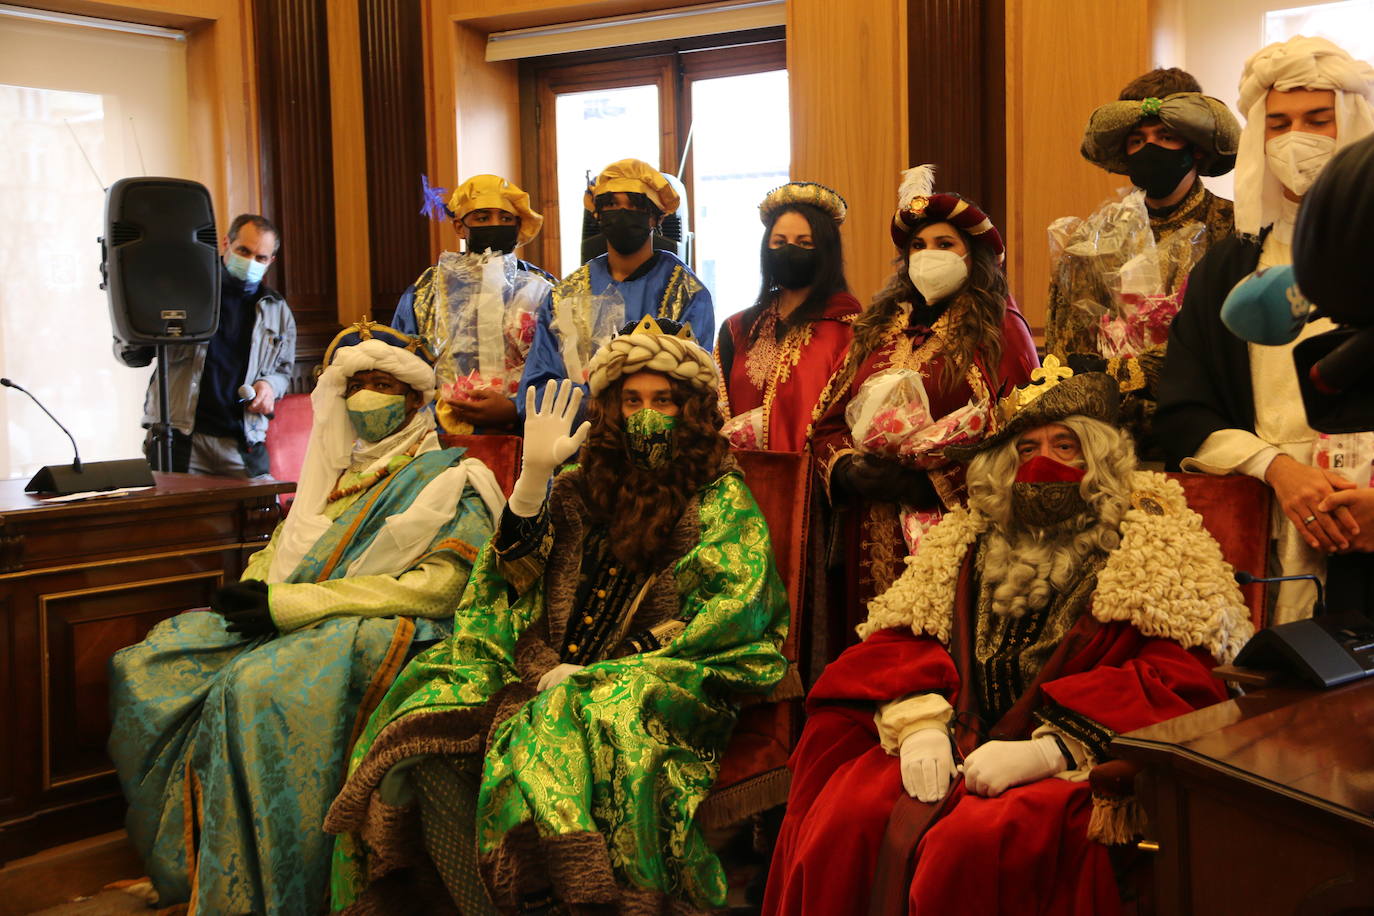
[
  {"x": 552, "y": 754},
  {"x": 231, "y": 727}
]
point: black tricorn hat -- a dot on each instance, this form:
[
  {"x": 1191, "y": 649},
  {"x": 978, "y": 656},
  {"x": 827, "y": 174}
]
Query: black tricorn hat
[{"x": 1052, "y": 394}]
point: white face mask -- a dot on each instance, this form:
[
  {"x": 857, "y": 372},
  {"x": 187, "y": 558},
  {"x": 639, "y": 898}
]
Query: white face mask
[
  {"x": 936, "y": 273},
  {"x": 1298, "y": 157}
]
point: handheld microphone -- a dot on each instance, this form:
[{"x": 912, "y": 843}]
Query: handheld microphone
[
  {"x": 1267, "y": 307},
  {"x": 246, "y": 393},
  {"x": 1245, "y": 578},
  {"x": 76, "y": 454},
  {"x": 1347, "y": 363}
]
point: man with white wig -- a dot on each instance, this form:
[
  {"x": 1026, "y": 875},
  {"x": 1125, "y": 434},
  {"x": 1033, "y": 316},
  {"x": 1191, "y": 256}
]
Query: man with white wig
[
  {"x": 1228, "y": 407},
  {"x": 551, "y": 756},
  {"x": 231, "y": 726}
]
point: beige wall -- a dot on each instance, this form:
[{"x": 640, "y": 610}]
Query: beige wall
[{"x": 1064, "y": 58}]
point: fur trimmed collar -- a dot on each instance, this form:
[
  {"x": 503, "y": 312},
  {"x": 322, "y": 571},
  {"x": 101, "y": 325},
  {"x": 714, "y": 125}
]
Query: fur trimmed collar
[{"x": 1167, "y": 579}]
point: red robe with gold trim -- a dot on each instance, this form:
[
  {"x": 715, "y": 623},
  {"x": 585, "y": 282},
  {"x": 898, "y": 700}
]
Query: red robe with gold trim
[
  {"x": 1025, "y": 851},
  {"x": 788, "y": 386},
  {"x": 872, "y": 532}
]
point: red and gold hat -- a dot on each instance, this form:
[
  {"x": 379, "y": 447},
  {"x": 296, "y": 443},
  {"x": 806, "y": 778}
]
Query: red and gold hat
[{"x": 918, "y": 203}]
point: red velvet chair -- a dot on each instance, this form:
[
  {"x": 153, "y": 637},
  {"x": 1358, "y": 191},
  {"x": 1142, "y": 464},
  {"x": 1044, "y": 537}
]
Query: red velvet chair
[
  {"x": 1235, "y": 511},
  {"x": 753, "y": 774},
  {"x": 500, "y": 453},
  {"x": 287, "y": 436}
]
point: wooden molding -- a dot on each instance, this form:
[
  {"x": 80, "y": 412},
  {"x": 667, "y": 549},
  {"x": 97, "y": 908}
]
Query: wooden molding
[{"x": 353, "y": 269}]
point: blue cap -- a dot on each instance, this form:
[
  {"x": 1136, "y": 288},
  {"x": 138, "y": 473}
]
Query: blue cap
[{"x": 1267, "y": 307}]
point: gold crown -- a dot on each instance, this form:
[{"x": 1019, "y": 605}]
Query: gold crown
[
  {"x": 367, "y": 329},
  {"x": 803, "y": 192},
  {"x": 1050, "y": 373},
  {"x": 647, "y": 325}
]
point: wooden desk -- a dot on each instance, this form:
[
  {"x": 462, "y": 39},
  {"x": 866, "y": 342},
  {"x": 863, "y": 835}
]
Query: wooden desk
[
  {"x": 77, "y": 582},
  {"x": 1264, "y": 804}
]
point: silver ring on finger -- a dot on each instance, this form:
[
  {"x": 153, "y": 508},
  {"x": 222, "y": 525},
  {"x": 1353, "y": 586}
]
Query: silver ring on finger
[{"x": 1309, "y": 520}]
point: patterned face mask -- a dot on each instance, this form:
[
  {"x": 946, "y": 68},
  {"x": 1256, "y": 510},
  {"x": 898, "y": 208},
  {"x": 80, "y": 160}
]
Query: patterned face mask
[
  {"x": 649, "y": 439},
  {"x": 375, "y": 415},
  {"x": 1047, "y": 492}
]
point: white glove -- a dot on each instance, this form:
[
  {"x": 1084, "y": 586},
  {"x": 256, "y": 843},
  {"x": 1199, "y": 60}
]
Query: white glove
[
  {"x": 927, "y": 764},
  {"x": 998, "y": 765},
  {"x": 557, "y": 675},
  {"x": 547, "y": 443}
]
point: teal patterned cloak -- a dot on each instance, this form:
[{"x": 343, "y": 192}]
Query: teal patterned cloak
[
  {"x": 230, "y": 749},
  {"x": 589, "y": 788}
]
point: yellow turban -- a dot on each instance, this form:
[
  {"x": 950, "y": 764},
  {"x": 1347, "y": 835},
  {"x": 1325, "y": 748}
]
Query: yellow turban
[
  {"x": 482, "y": 192},
  {"x": 633, "y": 176}
]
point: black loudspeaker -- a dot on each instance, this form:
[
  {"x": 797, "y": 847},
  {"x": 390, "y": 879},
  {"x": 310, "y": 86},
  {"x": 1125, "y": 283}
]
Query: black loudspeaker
[{"x": 160, "y": 261}]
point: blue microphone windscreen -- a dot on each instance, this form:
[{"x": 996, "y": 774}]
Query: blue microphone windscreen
[{"x": 1266, "y": 307}]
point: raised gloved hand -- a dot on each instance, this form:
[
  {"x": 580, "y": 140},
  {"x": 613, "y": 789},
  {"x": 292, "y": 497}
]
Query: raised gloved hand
[
  {"x": 998, "y": 765},
  {"x": 881, "y": 480},
  {"x": 557, "y": 675},
  {"x": 244, "y": 608},
  {"x": 547, "y": 443},
  {"x": 927, "y": 764}
]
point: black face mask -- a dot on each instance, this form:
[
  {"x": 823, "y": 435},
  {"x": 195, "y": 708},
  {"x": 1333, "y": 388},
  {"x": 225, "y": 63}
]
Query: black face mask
[
  {"x": 500, "y": 239},
  {"x": 626, "y": 230},
  {"x": 792, "y": 266},
  {"x": 1157, "y": 171}
]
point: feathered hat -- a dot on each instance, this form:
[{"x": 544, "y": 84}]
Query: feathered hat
[{"x": 918, "y": 203}]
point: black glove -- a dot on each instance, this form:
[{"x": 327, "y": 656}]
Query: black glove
[
  {"x": 881, "y": 480},
  {"x": 244, "y": 608},
  {"x": 1086, "y": 362}
]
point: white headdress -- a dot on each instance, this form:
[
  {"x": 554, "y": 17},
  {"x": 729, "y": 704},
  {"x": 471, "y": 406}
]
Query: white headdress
[{"x": 1299, "y": 63}]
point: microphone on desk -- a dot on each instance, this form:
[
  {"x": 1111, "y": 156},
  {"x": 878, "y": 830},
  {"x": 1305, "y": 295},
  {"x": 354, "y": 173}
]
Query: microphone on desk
[
  {"x": 1245, "y": 578},
  {"x": 76, "y": 454},
  {"x": 77, "y": 477}
]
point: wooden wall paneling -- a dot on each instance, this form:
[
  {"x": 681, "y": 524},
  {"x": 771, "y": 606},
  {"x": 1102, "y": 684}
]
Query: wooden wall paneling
[
  {"x": 1064, "y": 58},
  {"x": 957, "y": 95},
  {"x": 9, "y": 675},
  {"x": 79, "y": 630},
  {"x": 394, "y": 109},
  {"x": 299, "y": 187},
  {"x": 846, "y": 65}
]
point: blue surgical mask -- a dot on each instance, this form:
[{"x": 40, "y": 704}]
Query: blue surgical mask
[
  {"x": 375, "y": 415},
  {"x": 248, "y": 270}
]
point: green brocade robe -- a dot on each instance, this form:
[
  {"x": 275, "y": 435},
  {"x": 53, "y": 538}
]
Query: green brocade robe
[{"x": 590, "y": 788}]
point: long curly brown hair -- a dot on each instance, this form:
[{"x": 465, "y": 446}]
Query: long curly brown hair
[
  {"x": 977, "y": 310},
  {"x": 642, "y": 507}
]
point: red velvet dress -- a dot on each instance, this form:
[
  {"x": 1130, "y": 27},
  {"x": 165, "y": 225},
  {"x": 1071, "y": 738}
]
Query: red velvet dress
[
  {"x": 783, "y": 378},
  {"x": 872, "y": 532},
  {"x": 1025, "y": 851}
]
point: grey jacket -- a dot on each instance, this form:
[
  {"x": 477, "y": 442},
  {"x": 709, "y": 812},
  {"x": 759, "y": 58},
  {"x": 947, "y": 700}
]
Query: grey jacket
[{"x": 271, "y": 357}]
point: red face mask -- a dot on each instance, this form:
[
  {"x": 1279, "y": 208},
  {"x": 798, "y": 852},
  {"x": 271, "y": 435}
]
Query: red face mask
[{"x": 1042, "y": 469}]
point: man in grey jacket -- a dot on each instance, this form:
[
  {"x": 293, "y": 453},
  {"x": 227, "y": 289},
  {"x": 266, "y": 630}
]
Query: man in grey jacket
[{"x": 215, "y": 428}]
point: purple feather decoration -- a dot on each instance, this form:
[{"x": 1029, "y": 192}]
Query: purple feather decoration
[{"x": 433, "y": 206}]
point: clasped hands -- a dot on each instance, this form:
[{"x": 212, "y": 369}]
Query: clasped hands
[
  {"x": 244, "y": 607},
  {"x": 927, "y": 764},
  {"x": 1330, "y": 513}
]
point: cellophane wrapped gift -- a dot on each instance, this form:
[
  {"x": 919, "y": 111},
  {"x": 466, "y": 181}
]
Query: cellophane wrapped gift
[
  {"x": 1123, "y": 282},
  {"x": 745, "y": 430},
  {"x": 890, "y": 417}
]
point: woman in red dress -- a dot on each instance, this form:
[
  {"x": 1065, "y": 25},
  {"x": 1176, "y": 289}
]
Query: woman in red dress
[
  {"x": 946, "y": 314},
  {"x": 777, "y": 356}
]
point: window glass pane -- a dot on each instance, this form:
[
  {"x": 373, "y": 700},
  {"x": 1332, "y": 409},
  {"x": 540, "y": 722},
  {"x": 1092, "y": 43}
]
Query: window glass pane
[
  {"x": 1349, "y": 24},
  {"x": 596, "y": 128},
  {"x": 741, "y": 149},
  {"x": 122, "y": 98}
]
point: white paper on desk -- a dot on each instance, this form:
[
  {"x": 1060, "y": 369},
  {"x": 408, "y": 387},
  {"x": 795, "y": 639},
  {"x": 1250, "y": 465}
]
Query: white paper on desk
[{"x": 94, "y": 494}]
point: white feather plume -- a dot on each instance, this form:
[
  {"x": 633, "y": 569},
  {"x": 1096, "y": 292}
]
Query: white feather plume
[{"x": 917, "y": 181}]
